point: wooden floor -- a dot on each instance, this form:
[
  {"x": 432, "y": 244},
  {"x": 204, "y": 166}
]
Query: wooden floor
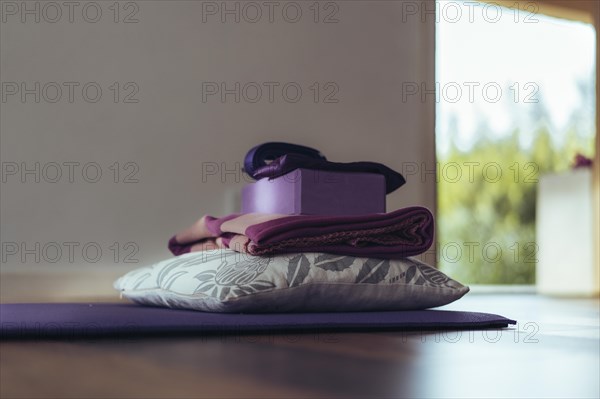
[{"x": 554, "y": 352}]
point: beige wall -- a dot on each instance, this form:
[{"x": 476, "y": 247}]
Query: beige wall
[{"x": 369, "y": 53}]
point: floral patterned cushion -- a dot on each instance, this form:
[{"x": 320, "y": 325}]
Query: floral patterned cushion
[{"x": 228, "y": 281}]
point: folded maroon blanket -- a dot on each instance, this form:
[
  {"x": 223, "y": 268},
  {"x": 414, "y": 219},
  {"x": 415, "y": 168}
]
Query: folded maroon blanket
[{"x": 402, "y": 233}]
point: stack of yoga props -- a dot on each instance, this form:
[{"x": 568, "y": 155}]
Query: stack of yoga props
[
  {"x": 312, "y": 236},
  {"x": 312, "y": 248}
]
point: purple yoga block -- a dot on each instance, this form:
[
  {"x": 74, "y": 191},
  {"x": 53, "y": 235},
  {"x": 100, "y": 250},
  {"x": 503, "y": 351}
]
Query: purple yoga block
[{"x": 316, "y": 192}]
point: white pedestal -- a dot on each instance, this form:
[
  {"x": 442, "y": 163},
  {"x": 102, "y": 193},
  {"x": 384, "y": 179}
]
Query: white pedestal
[{"x": 564, "y": 230}]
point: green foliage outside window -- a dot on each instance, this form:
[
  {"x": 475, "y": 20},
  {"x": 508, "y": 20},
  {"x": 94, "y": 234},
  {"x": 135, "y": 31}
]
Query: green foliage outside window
[{"x": 486, "y": 212}]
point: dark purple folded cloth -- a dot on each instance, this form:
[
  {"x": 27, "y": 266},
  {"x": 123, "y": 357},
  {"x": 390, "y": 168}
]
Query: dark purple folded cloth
[
  {"x": 394, "y": 235},
  {"x": 72, "y": 320},
  {"x": 290, "y": 162},
  {"x": 276, "y": 159},
  {"x": 265, "y": 153}
]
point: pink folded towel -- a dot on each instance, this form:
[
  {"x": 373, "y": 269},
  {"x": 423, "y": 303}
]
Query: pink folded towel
[{"x": 394, "y": 235}]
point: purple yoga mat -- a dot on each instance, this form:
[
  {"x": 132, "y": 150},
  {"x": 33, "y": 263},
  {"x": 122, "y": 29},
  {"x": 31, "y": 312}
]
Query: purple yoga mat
[{"x": 26, "y": 320}]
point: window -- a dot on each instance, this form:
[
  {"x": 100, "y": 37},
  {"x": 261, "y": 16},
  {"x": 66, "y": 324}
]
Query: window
[{"x": 516, "y": 99}]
